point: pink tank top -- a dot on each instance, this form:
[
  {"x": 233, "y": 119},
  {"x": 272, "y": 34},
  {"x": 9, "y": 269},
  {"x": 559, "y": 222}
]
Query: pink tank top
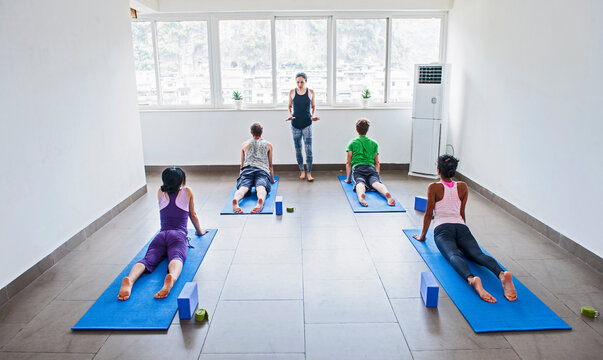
[{"x": 448, "y": 210}]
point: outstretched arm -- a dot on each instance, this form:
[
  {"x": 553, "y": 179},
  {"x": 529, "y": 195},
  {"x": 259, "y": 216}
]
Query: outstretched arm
[
  {"x": 348, "y": 168},
  {"x": 428, "y": 212},
  {"x": 290, "y": 106},
  {"x": 377, "y": 165},
  {"x": 270, "y": 150},
  {"x": 242, "y": 158},
  {"x": 464, "y": 195},
  {"x": 312, "y": 117},
  {"x": 192, "y": 214}
]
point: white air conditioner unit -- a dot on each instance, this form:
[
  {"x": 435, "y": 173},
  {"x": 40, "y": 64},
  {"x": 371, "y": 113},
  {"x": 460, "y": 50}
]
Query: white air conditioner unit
[{"x": 429, "y": 118}]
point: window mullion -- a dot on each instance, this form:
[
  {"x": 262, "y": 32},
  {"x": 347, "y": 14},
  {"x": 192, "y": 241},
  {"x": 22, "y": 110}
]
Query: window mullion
[
  {"x": 331, "y": 62},
  {"x": 443, "y": 38},
  {"x": 274, "y": 69},
  {"x": 388, "y": 58},
  {"x": 214, "y": 50},
  {"x": 156, "y": 59}
]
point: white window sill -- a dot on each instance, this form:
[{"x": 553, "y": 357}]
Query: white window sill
[{"x": 271, "y": 108}]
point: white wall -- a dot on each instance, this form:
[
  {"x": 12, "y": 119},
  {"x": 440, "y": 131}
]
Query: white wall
[
  {"x": 70, "y": 144},
  {"x": 526, "y": 116},
  {"x": 215, "y": 137}
]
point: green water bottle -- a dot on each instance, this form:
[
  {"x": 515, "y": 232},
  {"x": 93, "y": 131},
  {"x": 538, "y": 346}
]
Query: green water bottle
[{"x": 589, "y": 311}]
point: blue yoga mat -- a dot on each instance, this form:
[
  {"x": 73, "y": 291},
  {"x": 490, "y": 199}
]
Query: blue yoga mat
[
  {"x": 248, "y": 202},
  {"x": 376, "y": 202},
  {"x": 528, "y": 312},
  {"x": 142, "y": 311}
]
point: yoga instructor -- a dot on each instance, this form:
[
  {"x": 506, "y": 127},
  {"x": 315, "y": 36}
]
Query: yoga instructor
[{"x": 301, "y": 114}]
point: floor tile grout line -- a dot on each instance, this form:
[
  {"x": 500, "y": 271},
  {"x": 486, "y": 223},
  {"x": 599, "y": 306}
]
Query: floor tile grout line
[
  {"x": 301, "y": 246},
  {"x": 222, "y": 289},
  {"x": 553, "y": 294},
  {"x": 47, "y": 352},
  {"x": 383, "y": 287}
]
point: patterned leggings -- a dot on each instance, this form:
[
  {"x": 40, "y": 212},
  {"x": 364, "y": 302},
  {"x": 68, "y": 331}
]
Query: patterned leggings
[{"x": 306, "y": 134}]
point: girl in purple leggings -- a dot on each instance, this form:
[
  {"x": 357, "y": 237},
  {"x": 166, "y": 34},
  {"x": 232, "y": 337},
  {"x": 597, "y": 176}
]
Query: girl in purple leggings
[{"x": 176, "y": 205}]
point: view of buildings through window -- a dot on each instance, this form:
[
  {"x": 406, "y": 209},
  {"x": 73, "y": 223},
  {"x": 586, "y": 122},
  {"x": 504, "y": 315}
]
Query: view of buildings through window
[
  {"x": 301, "y": 45},
  {"x": 183, "y": 63},
  {"x": 144, "y": 58},
  {"x": 414, "y": 41},
  {"x": 246, "y": 61},
  {"x": 360, "y": 63}
]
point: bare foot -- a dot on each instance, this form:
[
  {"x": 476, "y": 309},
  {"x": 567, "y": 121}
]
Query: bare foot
[
  {"x": 167, "y": 286},
  {"x": 235, "y": 207},
  {"x": 310, "y": 178},
  {"x": 302, "y": 175},
  {"x": 507, "y": 282},
  {"x": 125, "y": 290},
  {"x": 476, "y": 284},
  {"x": 362, "y": 200},
  {"x": 390, "y": 199},
  {"x": 258, "y": 207}
]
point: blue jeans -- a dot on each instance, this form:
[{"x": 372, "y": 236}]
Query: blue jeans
[{"x": 306, "y": 134}]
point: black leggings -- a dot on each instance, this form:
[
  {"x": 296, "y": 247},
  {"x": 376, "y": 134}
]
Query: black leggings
[{"x": 451, "y": 239}]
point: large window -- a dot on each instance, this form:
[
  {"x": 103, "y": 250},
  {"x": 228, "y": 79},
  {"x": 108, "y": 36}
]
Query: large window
[
  {"x": 301, "y": 46},
  {"x": 414, "y": 41},
  {"x": 199, "y": 60},
  {"x": 245, "y": 60},
  {"x": 183, "y": 63},
  {"x": 360, "y": 59},
  {"x": 144, "y": 59}
]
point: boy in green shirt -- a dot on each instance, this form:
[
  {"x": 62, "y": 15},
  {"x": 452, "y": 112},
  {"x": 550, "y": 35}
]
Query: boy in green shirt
[{"x": 363, "y": 165}]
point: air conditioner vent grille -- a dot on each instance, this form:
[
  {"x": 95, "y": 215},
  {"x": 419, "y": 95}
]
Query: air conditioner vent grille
[{"x": 430, "y": 75}]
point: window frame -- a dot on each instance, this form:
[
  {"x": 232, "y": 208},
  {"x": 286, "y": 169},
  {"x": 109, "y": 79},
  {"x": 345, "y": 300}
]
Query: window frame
[
  {"x": 329, "y": 56},
  {"x": 215, "y": 73}
]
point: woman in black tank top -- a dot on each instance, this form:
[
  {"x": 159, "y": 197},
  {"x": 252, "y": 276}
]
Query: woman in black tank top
[{"x": 301, "y": 114}]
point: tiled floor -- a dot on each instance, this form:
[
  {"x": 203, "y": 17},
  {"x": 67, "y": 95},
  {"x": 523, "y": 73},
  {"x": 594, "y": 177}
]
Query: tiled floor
[{"x": 319, "y": 283}]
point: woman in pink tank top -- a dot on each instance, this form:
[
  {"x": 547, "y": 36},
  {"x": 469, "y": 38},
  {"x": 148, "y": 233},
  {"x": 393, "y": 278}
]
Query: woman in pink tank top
[{"x": 446, "y": 202}]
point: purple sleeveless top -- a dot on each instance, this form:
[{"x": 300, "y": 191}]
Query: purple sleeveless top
[{"x": 174, "y": 212}]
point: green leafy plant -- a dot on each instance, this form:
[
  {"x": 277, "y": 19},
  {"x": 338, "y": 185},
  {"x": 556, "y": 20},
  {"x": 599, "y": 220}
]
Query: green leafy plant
[
  {"x": 237, "y": 95},
  {"x": 366, "y": 94}
]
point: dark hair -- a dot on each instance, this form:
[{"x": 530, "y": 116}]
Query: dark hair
[
  {"x": 362, "y": 126},
  {"x": 172, "y": 178},
  {"x": 302, "y": 75},
  {"x": 256, "y": 129},
  {"x": 447, "y": 165}
]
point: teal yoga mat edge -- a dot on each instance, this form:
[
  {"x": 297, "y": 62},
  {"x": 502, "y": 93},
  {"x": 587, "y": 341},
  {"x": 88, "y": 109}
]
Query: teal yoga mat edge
[
  {"x": 357, "y": 208},
  {"x": 554, "y": 321},
  {"x": 168, "y": 307},
  {"x": 268, "y": 204}
]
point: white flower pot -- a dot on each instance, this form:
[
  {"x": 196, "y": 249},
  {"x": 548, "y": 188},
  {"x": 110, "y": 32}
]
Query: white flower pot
[
  {"x": 365, "y": 102},
  {"x": 238, "y": 104}
]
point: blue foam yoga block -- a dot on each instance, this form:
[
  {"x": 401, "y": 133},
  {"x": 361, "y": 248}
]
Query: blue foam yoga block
[
  {"x": 429, "y": 289},
  {"x": 188, "y": 300},
  {"x": 420, "y": 203},
  {"x": 278, "y": 205}
]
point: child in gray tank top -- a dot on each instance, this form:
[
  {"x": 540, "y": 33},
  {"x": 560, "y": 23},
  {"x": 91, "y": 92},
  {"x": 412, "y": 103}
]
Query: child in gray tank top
[{"x": 256, "y": 169}]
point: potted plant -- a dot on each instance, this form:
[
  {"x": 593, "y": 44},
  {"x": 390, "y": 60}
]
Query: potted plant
[
  {"x": 366, "y": 95},
  {"x": 238, "y": 99}
]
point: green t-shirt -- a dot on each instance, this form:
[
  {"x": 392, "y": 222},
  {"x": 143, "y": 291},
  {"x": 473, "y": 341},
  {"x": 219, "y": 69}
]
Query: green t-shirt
[{"x": 363, "y": 151}]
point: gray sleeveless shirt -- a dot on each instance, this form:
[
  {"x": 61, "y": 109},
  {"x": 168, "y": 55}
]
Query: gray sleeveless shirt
[{"x": 257, "y": 155}]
